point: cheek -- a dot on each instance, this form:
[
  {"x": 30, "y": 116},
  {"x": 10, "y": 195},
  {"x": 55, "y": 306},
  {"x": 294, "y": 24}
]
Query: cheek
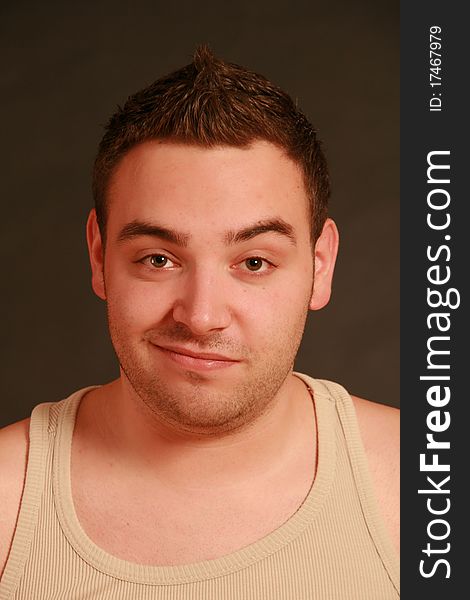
[
  {"x": 135, "y": 305},
  {"x": 132, "y": 299},
  {"x": 293, "y": 293},
  {"x": 276, "y": 315}
]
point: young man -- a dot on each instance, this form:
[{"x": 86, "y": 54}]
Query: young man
[{"x": 208, "y": 469}]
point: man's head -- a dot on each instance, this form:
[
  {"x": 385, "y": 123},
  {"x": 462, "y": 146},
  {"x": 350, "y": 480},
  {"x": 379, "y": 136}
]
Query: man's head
[
  {"x": 213, "y": 103},
  {"x": 208, "y": 272}
]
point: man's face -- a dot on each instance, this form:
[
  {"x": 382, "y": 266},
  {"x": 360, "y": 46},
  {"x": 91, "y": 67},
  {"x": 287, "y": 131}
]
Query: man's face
[{"x": 208, "y": 275}]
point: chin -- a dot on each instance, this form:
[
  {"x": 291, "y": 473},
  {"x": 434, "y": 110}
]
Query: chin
[{"x": 200, "y": 411}]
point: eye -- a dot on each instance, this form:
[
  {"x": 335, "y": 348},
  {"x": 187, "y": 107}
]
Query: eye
[
  {"x": 158, "y": 261},
  {"x": 256, "y": 264}
]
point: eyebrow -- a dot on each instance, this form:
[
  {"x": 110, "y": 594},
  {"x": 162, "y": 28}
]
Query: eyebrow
[
  {"x": 143, "y": 228},
  {"x": 140, "y": 228},
  {"x": 277, "y": 225}
]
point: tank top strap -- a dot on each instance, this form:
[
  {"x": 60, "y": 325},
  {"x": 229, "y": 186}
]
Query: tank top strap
[
  {"x": 39, "y": 440},
  {"x": 361, "y": 472}
]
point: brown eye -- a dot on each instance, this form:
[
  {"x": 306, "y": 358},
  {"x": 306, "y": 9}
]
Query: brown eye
[
  {"x": 158, "y": 260},
  {"x": 254, "y": 263}
]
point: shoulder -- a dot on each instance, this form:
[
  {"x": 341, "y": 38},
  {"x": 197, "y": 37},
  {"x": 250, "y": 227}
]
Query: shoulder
[
  {"x": 379, "y": 426},
  {"x": 14, "y": 442}
]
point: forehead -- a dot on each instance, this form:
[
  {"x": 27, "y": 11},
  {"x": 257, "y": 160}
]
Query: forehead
[{"x": 207, "y": 189}]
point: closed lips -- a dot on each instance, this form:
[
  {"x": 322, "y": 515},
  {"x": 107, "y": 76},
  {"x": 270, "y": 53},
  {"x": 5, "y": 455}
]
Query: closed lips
[{"x": 198, "y": 355}]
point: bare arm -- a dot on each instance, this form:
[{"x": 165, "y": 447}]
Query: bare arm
[
  {"x": 14, "y": 441},
  {"x": 380, "y": 431}
]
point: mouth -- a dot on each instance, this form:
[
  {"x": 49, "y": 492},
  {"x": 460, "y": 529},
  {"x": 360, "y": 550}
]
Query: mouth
[{"x": 193, "y": 360}]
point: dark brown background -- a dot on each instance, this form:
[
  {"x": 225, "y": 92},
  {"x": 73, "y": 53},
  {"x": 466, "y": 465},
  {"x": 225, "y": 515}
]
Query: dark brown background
[{"x": 65, "y": 67}]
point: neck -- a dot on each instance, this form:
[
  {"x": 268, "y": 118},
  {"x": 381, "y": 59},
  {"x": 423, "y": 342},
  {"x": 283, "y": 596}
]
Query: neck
[{"x": 114, "y": 420}]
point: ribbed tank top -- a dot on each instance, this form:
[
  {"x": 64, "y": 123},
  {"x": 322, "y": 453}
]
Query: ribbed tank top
[{"x": 333, "y": 547}]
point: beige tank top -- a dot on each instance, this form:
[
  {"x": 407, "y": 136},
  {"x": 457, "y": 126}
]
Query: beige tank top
[{"x": 334, "y": 547}]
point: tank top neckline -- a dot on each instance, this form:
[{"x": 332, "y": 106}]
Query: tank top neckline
[{"x": 207, "y": 569}]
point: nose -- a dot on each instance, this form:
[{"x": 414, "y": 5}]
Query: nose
[{"x": 202, "y": 305}]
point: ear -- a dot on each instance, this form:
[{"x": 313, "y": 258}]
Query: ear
[
  {"x": 326, "y": 249},
  {"x": 96, "y": 252}
]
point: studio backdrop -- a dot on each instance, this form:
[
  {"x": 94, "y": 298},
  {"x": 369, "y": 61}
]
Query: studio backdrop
[{"x": 65, "y": 67}]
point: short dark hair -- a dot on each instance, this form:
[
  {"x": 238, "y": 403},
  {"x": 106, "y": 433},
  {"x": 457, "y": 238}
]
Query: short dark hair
[{"x": 211, "y": 102}]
